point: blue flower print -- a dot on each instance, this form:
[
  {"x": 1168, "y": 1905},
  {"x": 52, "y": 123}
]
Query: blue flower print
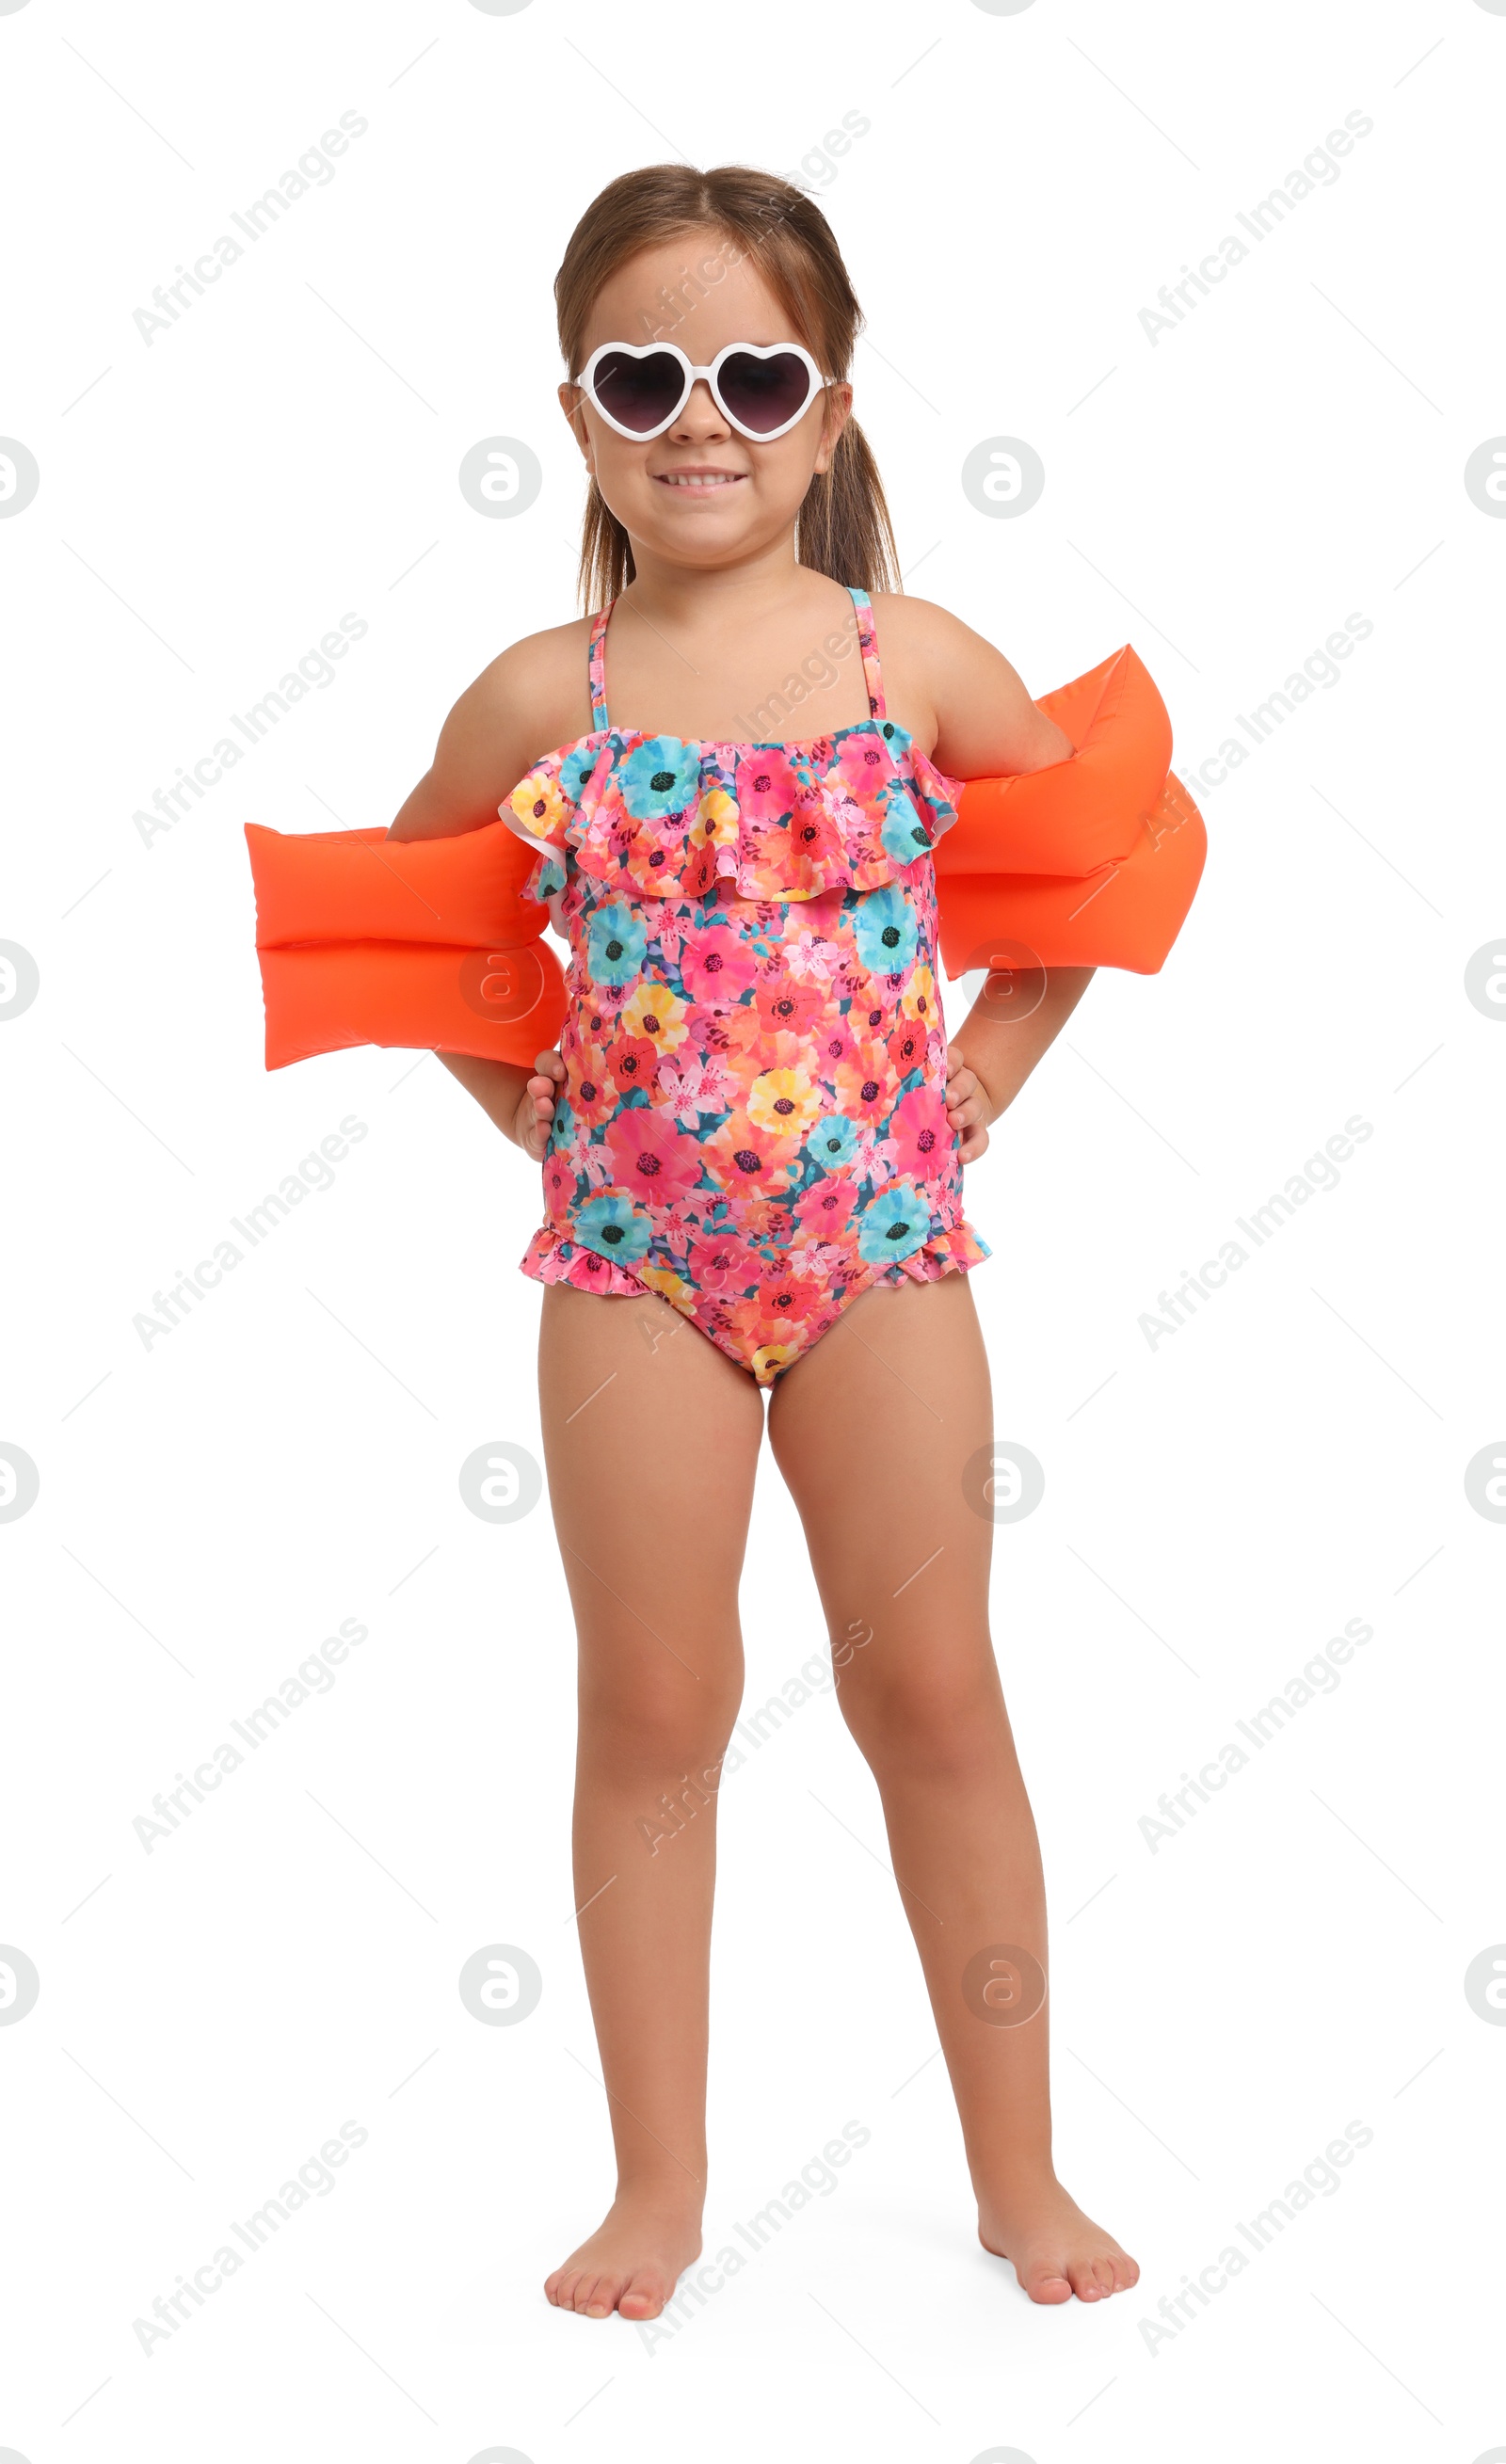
[
  {"x": 615, "y": 944},
  {"x": 611, "y": 1224},
  {"x": 884, "y": 929},
  {"x": 660, "y": 777},
  {"x": 904, "y": 833},
  {"x": 894, "y": 1225},
  {"x": 832, "y": 1141},
  {"x": 577, "y": 767},
  {"x": 548, "y": 878}
]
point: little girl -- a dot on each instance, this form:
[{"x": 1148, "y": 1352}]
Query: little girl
[{"x": 752, "y": 1138}]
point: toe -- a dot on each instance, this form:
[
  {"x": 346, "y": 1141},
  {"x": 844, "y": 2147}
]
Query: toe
[
  {"x": 583, "y": 2292},
  {"x": 1084, "y": 2284},
  {"x": 642, "y": 2296},
  {"x": 1044, "y": 2281},
  {"x": 1103, "y": 2272},
  {"x": 1125, "y": 2271}
]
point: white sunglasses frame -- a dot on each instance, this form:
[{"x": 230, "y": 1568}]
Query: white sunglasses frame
[{"x": 691, "y": 373}]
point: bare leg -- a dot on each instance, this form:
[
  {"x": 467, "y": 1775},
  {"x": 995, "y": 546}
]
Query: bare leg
[
  {"x": 650, "y": 1439},
  {"x": 873, "y": 1430}
]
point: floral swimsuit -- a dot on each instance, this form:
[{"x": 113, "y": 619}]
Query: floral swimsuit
[{"x": 754, "y": 1116}]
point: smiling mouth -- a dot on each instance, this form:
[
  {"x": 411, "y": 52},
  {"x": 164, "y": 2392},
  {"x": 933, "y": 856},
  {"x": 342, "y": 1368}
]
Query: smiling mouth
[{"x": 705, "y": 479}]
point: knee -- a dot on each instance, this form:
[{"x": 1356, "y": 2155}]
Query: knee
[
  {"x": 943, "y": 1720},
  {"x": 657, "y": 1721}
]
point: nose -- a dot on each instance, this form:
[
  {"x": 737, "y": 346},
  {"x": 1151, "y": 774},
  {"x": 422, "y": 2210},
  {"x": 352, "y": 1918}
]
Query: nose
[{"x": 701, "y": 418}]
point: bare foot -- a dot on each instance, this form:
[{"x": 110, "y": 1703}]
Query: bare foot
[
  {"x": 1057, "y": 2250},
  {"x": 630, "y": 2262}
]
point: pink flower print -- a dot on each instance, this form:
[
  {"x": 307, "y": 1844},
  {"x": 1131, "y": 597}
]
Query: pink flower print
[
  {"x": 865, "y": 766},
  {"x": 810, "y": 955},
  {"x": 716, "y": 967},
  {"x": 596, "y": 1162},
  {"x": 650, "y": 1156},
  {"x": 767, "y": 786},
  {"x": 722, "y": 1262},
  {"x": 833, "y": 1045},
  {"x": 918, "y": 1132},
  {"x": 823, "y": 1212},
  {"x": 701, "y": 1085},
  {"x": 559, "y": 1184}
]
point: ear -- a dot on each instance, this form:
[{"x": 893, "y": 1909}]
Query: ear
[
  {"x": 838, "y": 411},
  {"x": 572, "y": 402}
]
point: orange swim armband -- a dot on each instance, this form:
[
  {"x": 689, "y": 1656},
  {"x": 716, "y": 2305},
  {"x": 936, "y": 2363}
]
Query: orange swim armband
[
  {"x": 1092, "y": 862},
  {"x": 429, "y": 944},
  {"x": 423, "y": 943}
]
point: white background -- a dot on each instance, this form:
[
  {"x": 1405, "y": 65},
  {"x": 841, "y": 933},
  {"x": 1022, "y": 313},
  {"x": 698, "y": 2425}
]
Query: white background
[{"x": 1293, "y": 1458}]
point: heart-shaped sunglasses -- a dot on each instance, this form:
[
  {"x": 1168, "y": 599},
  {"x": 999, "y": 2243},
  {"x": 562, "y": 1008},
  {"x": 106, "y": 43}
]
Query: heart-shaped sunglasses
[{"x": 761, "y": 389}]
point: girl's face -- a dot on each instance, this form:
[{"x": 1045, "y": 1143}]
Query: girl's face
[{"x": 750, "y": 493}]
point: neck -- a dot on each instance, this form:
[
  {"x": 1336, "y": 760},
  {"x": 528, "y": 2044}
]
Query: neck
[{"x": 767, "y": 582}]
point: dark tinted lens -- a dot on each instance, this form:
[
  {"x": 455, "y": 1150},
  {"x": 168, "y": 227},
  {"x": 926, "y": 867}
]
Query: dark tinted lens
[
  {"x": 763, "y": 395},
  {"x": 639, "y": 393}
]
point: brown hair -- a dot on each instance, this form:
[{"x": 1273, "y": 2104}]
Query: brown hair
[{"x": 843, "y": 527}]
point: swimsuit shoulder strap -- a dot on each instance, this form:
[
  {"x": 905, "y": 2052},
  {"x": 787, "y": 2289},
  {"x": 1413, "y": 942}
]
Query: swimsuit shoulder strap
[
  {"x": 597, "y": 667},
  {"x": 868, "y": 644}
]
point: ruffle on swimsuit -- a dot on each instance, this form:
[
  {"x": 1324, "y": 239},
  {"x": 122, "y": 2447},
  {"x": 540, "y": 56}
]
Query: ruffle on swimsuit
[
  {"x": 754, "y": 1121},
  {"x": 851, "y": 810}
]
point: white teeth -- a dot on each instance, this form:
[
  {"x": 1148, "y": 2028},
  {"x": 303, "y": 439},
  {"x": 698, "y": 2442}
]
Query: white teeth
[{"x": 687, "y": 479}]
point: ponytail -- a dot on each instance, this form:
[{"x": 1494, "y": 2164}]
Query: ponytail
[{"x": 843, "y": 527}]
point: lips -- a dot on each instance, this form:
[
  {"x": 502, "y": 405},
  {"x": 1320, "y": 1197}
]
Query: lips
[{"x": 703, "y": 481}]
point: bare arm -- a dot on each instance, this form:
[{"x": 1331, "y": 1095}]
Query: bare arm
[
  {"x": 990, "y": 1058},
  {"x": 519, "y": 1101},
  {"x": 496, "y": 729},
  {"x": 989, "y": 727}
]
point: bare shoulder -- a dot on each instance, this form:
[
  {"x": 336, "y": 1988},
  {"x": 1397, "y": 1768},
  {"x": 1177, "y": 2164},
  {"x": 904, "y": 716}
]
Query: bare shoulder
[
  {"x": 921, "y": 630},
  {"x": 529, "y": 700},
  {"x": 985, "y": 721},
  {"x": 540, "y": 682}
]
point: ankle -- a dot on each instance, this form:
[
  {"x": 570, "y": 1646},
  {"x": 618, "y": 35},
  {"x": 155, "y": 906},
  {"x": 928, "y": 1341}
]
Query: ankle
[
  {"x": 1007, "y": 2172},
  {"x": 670, "y": 2194}
]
